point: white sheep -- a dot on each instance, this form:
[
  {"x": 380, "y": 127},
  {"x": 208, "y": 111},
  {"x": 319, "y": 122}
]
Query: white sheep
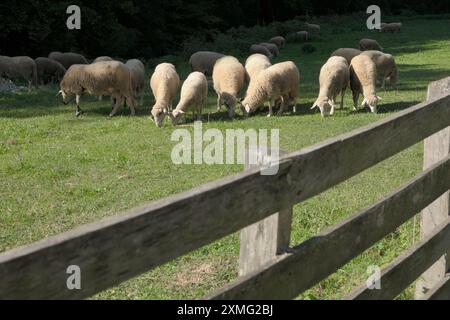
[
  {"x": 101, "y": 78},
  {"x": 391, "y": 27},
  {"x": 256, "y": 48},
  {"x": 21, "y": 67},
  {"x": 203, "y": 61},
  {"x": 271, "y": 47},
  {"x": 279, "y": 81},
  {"x": 347, "y": 53},
  {"x": 228, "y": 79},
  {"x": 164, "y": 83},
  {"x": 279, "y": 41},
  {"x": 369, "y": 44},
  {"x": 49, "y": 69},
  {"x": 193, "y": 94},
  {"x": 137, "y": 70},
  {"x": 363, "y": 77},
  {"x": 67, "y": 58},
  {"x": 315, "y": 28},
  {"x": 102, "y": 58},
  {"x": 333, "y": 79},
  {"x": 255, "y": 63},
  {"x": 386, "y": 67}
]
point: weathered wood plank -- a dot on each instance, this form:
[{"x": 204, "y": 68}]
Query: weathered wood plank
[
  {"x": 406, "y": 268},
  {"x": 262, "y": 241},
  {"x": 439, "y": 292},
  {"x": 120, "y": 247},
  {"x": 436, "y": 147},
  {"x": 320, "y": 256}
]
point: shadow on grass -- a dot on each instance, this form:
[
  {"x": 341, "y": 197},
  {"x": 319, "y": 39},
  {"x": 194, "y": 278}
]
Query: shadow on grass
[
  {"x": 395, "y": 106},
  {"x": 40, "y": 103}
]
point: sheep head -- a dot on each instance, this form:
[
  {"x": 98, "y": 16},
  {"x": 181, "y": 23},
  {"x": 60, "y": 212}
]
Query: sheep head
[
  {"x": 158, "y": 114},
  {"x": 64, "y": 96},
  {"x": 230, "y": 102},
  {"x": 174, "y": 115},
  {"x": 325, "y": 105},
  {"x": 372, "y": 102}
]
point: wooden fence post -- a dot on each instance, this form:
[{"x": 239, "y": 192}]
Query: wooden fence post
[
  {"x": 436, "y": 147},
  {"x": 263, "y": 240}
]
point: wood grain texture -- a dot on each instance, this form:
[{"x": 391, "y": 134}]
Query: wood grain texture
[
  {"x": 405, "y": 269},
  {"x": 436, "y": 147},
  {"x": 320, "y": 256},
  {"x": 120, "y": 247},
  {"x": 262, "y": 241}
]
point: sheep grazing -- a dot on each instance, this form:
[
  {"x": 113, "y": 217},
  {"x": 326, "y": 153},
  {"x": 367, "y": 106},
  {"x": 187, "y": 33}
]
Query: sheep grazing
[
  {"x": 279, "y": 41},
  {"x": 21, "y": 67},
  {"x": 391, "y": 27},
  {"x": 369, "y": 44},
  {"x": 363, "y": 77},
  {"x": 314, "y": 28},
  {"x": 228, "y": 79},
  {"x": 67, "y": 58},
  {"x": 102, "y": 58},
  {"x": 280, "y": 81},
  {"x": 347, "y": 53},
  {"x": 256, "y": 48},
  {"x": 203, "y": 61},
  {"x": 49, "y": 70},
  {"x": 255, "y": 64},
  {"x": 137, "y": 70},
  {"x": 386, "y": 67},
  {"x": 193, "y": 94},
  {"x": 301, "y": 36},
  {"x": 164, "y": 84},
  {"x": 273, "y": 48},
  {"x": 101, "y": 78},
  {"x": 333, "y": 79}
]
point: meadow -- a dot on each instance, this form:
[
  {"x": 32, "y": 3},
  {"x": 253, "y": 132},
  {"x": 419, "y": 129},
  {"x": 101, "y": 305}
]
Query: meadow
[{"x": 58, "y": 171}]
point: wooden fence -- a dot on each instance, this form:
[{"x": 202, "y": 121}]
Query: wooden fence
[{"x": 120, "y": 247}]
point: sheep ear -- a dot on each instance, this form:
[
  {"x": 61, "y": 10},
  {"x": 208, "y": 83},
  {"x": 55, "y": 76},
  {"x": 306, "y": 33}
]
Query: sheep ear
[
  {"x": 165, "y": 111},
  {"x": 181, "y": 111},
  {"x": 379, "y": 98},
  {"x": 364, "y": 102},
  {"x": 247, "y": 108},
  {"x": 314, "y": 106},
  {"x": 331, "y": 102},
  {"x": 59, "y": 93}
]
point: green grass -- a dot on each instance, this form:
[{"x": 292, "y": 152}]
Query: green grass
[{"x": 58, "y": 172}]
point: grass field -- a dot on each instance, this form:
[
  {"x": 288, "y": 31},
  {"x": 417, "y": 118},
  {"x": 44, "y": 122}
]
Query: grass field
[{"x": 58, "y": 171}]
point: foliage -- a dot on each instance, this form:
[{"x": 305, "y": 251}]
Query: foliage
[{"x": 141, "y": 28}]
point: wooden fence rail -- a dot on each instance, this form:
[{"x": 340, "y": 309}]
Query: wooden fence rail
[{"x": 120, "y": 247}]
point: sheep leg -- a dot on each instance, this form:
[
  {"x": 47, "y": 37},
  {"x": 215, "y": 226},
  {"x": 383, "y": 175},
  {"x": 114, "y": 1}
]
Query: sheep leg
[
  {"x": 116, "y": 106},
  {"x": 79, "y": 111},
  {"x": 282, "y": 105},
  {"x": 332, "y": 108},
  {"x": 355, "y": 101},
  {"x": 131, "y": 104},
  {"x": 270, "y": 109},
  {"x": 383, "y": 82},
  {"x": 218, "y": 102}
]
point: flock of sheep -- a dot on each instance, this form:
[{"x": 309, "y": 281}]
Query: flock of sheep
[{"x": 276, "y": 84}]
